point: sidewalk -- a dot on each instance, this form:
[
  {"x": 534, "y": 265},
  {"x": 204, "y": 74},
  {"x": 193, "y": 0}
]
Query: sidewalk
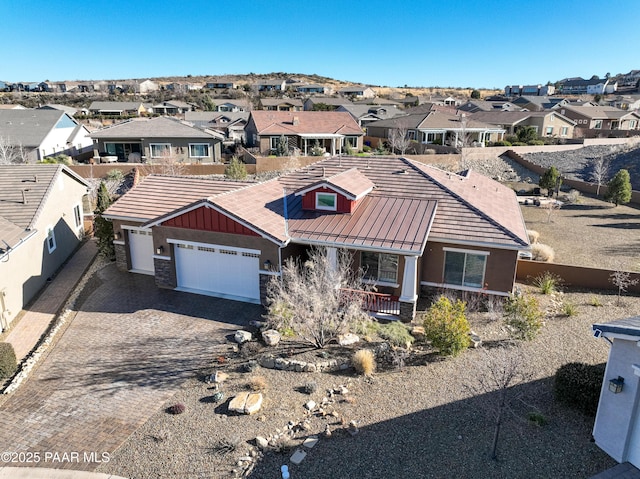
[
  {"x": 41, "y": 473},
  {"x": 37, "y": 318}
]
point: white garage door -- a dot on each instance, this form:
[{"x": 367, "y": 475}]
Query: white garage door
[
  {"x": 218, "y": 270},
  {"x": 141, "y": 250}
]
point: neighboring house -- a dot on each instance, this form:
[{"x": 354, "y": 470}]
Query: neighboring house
[
  {"x": 539, "y": 103},
  {"x": 358, "y": 92},
  {"x": 626, "y": 102},
  {"x": 408, "y": 101},
  {"x": 174, "y": 87},
  {"x": 41, "y": 224},
  {"x": 172, "y": 107},
  {"x": 630, "y": 79},
  {"x": 445, "y": 100},
  {"x": 147, "y": 86},
  {"x": 158, "y": 139},
  {"x": 529, "y": 90},
  {"x": 365, "y": 114},
  {"x": 601, "y": 117},
  {"x": 473, "y": 106},
  {"x": 46, "y": 132},
  {"x": 409, "y": 226},
  {"x": 580, "y": 86},
  {"x": 309, "y": 89},
  {"x": 227, "y": 105},
  {"x": 281, "y": 104},
  {"x": 325, "y": 103},
  {"x": 221, "y": 84},
  {"x": 117, "y": 108},
  {"x": 8, "y": 106},
  {"x": 270, "y": 85},
  {"x": 230, "y": 124},
  {"x": 545, "y": 123},
  {"x": 436, "y": 127},
  {"x": 303, "y": 130},
  {"x": 617, "y": 425}
]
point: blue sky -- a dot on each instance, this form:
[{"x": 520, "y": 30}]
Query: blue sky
[{"x": 460, "y": 43}]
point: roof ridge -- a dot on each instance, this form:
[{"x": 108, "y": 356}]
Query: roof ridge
[{"x": 466, "y": 202}]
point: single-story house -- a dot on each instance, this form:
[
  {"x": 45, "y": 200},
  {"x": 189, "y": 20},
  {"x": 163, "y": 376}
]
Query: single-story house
[
  {"x": 311, "y": 88},
  {"x": 231, "y": 105},
  {"x": 602, "y": 117},
  {"x": 41, "y": 224},
  {"x": 545, "y": 123},
  {"x": 45, "y": 132},
  {"x": 473, "y": 106},
  {"x": 617, "y": 425},
  {"x": 117, "y": 108},
  {"x": 147, "y": 86},
  {"x": 329, "y": 130},
  {"x": 156, "y": 139},
  {"x": 270, "y": 85},
  {"x": 281, "y": 104},
  {"x": 357, "y": 92},
  {"x": 438, "y": 128},
  {"x": 172, "y": 107},
  {"x": 539, "y": 103},
  {"x": 409, "y": 226},
  {"x": 365, "y": 114},
  {"x": 221, "y": 84},
  {"x": 326, "y": 103}
]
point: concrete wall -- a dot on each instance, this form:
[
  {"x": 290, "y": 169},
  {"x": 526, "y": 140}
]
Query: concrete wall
[{"x": 617, "y": 412}]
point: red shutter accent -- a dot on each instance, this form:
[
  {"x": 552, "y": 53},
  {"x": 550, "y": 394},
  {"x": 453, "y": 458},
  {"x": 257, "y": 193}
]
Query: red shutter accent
[
  {"x": 207, "y": 219},
  {"x": 344, "y": 205}
]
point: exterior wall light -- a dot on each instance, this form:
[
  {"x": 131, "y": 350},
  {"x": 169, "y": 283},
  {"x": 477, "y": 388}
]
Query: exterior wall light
[
  {"x": 160, "y": 249},
  {"x": 267, "y": 265},
  {"x": 616, "y": 384},
  {"x": 116, "y": 235}
]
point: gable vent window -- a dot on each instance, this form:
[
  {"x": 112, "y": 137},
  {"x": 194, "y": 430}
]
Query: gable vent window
[
  {"x": 51, "y": 240},
  {"x": 326, "y": 201}
]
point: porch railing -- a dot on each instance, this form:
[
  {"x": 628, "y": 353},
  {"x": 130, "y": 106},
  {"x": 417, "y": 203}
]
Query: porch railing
[{"x": 376, "y": 302}]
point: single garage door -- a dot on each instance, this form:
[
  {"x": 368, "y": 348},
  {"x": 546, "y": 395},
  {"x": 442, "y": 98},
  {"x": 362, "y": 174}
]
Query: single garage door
[
  {"x": 141, "y": 251},
  {"x": 218, "y": 270}
]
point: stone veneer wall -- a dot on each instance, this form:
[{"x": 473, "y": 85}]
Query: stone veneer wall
[
  {"x": 121, "y": 257},
  {"x": 264, "y": 280},
  {"x": 407, "y": 312},
  {"x": 165, "y": 273}
]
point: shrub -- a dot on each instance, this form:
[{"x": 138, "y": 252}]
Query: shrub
[
  {"x": 235, "y": 170},
  {"x": 542, "y": 252},
  {"x": 310, "y": 387},
  {"x": 446, "y": 326},
  {"x": 257, "y": 383},
  {"x": 578, "y": 385},
  {"x": 178, "y": 408},
  {"x": 501, "y": 143},
  {"x": 573, "y": 197},
  {"x": 533, "y": 235},
  {"x": 8, "y": 363},
  {"x": 523, "y": 316},
  {"x": 535, "y": 142},
  {"x": 114, "y": 175},
  {"x": 366, "y": 149},
  {"x": 547, "y": 282},
  {"x": 518, "y": 143},
  {"x": 397, "y": 334},
  {"x": 595, "y": 301},
  {"x": 364, "y": 361},
  {"x": 569, "y": 309},
  {"x": 537, "y": 418}
]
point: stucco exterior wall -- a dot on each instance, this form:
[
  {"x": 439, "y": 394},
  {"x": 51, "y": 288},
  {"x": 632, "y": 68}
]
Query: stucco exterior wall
[
  {"x": 25, "y": 270},
  {"x": 616, "y": 412}
]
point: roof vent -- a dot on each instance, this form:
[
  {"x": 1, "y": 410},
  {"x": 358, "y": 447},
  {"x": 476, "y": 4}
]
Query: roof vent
[
  {"x": 24, "y": 197},
  {"x": 296, "y": 121}
]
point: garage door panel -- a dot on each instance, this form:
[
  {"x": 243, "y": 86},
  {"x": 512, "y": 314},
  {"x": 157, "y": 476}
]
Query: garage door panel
[{"x": 218, "y": 270}]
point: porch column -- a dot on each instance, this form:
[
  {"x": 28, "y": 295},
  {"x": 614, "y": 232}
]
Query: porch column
[
  {"x": 332, "y": 257},
  {"x": 333, "y": 146},
  {"x": 409, "y": 295}
]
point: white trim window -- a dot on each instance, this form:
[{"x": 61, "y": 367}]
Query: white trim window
[
  {"x": 564, "y": 131},
  {"x": 379, "y": 267},
  {"x": 464, "y": 267},
  {"x": 51, "y": 239},
  {"x": 326, "y": 201},
  {"x": 632, "y": 124},
  {"x": 597, "y": 125},
  {"x": 352, "y": 141},
  {"x": 199, "y": 150},
  {"x": 160, "y": 150},
  {"x": 549, "y": 131},
  {"x": 273, "y": 142}
]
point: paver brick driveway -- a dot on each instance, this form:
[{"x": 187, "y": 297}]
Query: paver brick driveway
[{"x": 126, "y": 352}]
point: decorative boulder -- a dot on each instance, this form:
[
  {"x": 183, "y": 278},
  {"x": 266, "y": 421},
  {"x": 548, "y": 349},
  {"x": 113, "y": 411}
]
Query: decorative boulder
[
  {"x": 237, "y": 402},
  {"x": 220, "y": 377},
  {"x": 246, "y": 403},
  {"x": 271, "y": 337},
  {"x": 242, "y": 336},
  {"x": 347, "y": 339}
]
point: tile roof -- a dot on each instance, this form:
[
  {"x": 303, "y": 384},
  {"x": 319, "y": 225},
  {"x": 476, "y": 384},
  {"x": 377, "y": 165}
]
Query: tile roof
[
  {"x": 25, "y": 182},
  {"x": 608, "y": 112},
  {"x": 410, "y": 202},
  {"x": 432, "y": 120},
  {"x": 28, "y": 127},
  {"x": 308, "y": 122},
  {"x": 159, "y": 127}
]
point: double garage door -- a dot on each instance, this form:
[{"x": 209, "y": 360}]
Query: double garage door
[{"x": 218, "y": 270}]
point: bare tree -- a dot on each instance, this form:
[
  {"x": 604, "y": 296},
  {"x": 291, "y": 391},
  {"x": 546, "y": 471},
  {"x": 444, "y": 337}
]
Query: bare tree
[
  {"x": 550, "y": 207},
  {"x": 318, "y": 299},
  {"x": 496, "y": 379},
  {"x": 166, "y": 164},
  {"x": 11, "y": 153},
  {"x": 622, "y": 279},
  {"x": 599, "y": 172},
  {"x": 399, "y": 139}
]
